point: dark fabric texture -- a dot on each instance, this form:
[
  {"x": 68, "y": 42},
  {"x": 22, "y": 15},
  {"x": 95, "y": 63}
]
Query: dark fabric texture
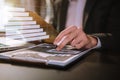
[{"x": 101, "y": 19}]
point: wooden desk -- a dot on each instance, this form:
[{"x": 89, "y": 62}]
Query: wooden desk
[{"x": 96, "y": 66}]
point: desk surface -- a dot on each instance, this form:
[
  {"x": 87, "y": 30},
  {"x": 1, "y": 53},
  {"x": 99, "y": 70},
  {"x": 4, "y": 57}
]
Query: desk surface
[{"x": 96, "y": 66}]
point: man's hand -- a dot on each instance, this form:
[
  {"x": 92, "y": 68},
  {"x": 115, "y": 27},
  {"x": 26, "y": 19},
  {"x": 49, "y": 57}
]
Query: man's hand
[{"x": 76, "y": 38}]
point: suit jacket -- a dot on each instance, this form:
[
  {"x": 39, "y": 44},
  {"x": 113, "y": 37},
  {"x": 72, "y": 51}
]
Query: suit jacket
[{"x": 101, "y": 19}]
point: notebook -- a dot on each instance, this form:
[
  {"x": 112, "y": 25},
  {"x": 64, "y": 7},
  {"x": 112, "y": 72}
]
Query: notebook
[{"x": 46, "y": 54}]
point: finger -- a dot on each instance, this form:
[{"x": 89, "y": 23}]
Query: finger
[
  {"x": 64, "y": 33},
  {"x": 75, "y": 41},
  {"x": 65, "y": 41},
  {"x": 69, "y": 30},
  {"x": 80, "y": 45},
  {"x": 78, "y": 38},
  {"x": 61, "y": 41},
  {"x": 84, "y": 42}
]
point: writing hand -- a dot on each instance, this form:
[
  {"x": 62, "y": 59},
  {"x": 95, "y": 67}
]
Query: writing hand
[{"x": 76, "y": 37}]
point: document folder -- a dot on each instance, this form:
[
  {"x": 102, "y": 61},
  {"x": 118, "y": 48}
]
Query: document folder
[{"x": 46, "y": 54}]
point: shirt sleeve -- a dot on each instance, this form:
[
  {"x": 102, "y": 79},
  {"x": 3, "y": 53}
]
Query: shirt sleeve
[{"x": 98, "y": 44}]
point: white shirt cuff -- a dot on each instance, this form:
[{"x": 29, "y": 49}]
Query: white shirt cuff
[{"x": 98, "y": 44}]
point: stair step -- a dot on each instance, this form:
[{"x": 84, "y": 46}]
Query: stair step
[
  {"x": 20, "y": 18},
  {"x": 22, "y": 27},
  {"x": 11, "y": 32},
  {"x": 21, "y": 23},
  {"x": 25, "y": 35},
  {"x": 19, "y": 13},
  {"x": 37, "y": 38},
  {"x": 16, "y": 9}
]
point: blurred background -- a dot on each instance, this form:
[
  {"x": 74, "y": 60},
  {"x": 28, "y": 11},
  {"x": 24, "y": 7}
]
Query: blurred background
[
  {"x": 39, "y": 6},
  {"x": 40, "y": 10}
]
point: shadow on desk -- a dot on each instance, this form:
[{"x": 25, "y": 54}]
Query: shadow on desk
[
  {"x": 96, "y": 65},
  {"x": 110, "y": 57}
]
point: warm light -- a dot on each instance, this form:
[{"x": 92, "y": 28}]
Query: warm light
[
  {"x": 5, "y": 16},
  {"x": 1, "y": 14}
]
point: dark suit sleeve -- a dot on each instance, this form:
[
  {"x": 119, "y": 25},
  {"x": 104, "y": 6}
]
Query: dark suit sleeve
[{"x": 111, "y": 39}]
